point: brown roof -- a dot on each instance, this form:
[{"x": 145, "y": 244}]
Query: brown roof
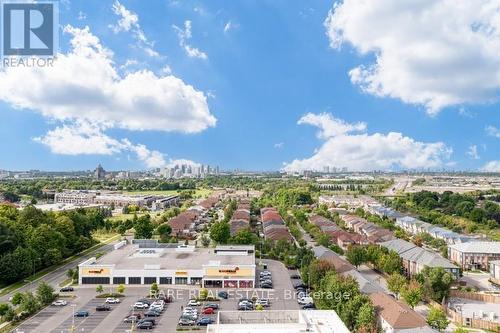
[
  {"x": 237, "y": 225},
  {"x": 398, "y": 315},
  {"x": 180, "y": 222},
  {"x": 241, "y": 215},
  {"x": 271, "y": 216}
]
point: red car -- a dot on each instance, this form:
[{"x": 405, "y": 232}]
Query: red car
[{"x": 208, "y": 311}]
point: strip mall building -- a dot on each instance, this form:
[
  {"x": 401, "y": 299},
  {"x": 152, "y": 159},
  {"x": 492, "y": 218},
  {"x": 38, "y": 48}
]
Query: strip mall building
[{"x": 147, "y": 262}]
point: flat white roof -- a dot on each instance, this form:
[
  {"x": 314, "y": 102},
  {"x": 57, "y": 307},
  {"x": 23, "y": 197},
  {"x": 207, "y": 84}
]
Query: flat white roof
[{"x": 288, "y": 321}]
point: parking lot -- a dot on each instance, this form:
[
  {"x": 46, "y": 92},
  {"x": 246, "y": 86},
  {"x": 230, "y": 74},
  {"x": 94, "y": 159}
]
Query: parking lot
[{"x": 60, "y": 319}]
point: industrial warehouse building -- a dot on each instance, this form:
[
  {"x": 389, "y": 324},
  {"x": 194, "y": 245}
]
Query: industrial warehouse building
[{"x": 147, "y": 262}]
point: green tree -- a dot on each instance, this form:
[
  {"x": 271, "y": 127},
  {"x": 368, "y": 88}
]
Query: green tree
[
  {"x": 436, "y": 318},
  {"x": 366, "y": 319},
  {"x": 244, "y": 236},
  {"x": 317, "y": 269},
  {"x": 436, "y": 282},
  {"x": 164, "y": 230},
  {"x": 203, "y": 293},
  {"x": 120, "y": 289},
  {"x": 356, "y": 255},
  {"x": 99, "y": 289},
  {"x": 396, "y": 283},
  {"x": 143, "y": 227},
  {"x": 29, "y": 303},
  {"x": 154, "y": 289},
  {"x": 17, "y": 298},
  {"x": 205, "y": 240},
  {"x": 412, "y": 294},
  {"x": 4, "y": 307},
  {"x": 45, "y": 293},
  {"x": 220, "y": 232}
]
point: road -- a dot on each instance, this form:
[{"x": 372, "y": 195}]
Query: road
[{"x": 59, "y": 274}]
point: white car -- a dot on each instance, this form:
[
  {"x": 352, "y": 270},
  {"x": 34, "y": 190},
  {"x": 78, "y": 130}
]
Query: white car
[
  {"x": 193, "y": 302},
  {"x": 156, "y": 307},
  {"x": 111, "y": 300},
  {"x": 305, "y": 300},
  {"x": 264, "y": 302},
  {"x": 60, "y": 302},
  {"x": 140, "y": 305}
]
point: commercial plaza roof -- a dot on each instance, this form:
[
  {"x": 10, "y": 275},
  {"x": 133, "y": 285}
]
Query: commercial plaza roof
[
  {"x": 288, "y": 321},
  {"x": 133, "y": 257}
]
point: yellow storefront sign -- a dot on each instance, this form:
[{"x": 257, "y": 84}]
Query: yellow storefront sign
[
  {"x": 230, "y": 271},
  {"x": 181, "y": 273},
  {"x": 96, "y": 271}
]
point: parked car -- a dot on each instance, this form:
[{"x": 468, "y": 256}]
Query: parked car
[
  {"x": 208, "y": 311},
  {"x": 264, "y": 302},
  {"x": 245, "y": 307},
  {"x": 204, "y": 321},
  {"x": 146, "y": 325},
  {"x": 145, "y": 300},
  {"x": 152, "y": 313},
  {"x": 244, "y": 299},
  {"x": 309, "y": 306},
  {"x": 193, "y": 302},
  {"x": 81, "y": 313},
  {"x": 131, "y": 319},
  {"x": 60, "y": 302},
  {"x": 299, "y": 285},
  {"x": 214, "y": 306},
  {"x": 186, "y": 322},
  {"x": 295, "y": 277},
  {"x": 305, "y": 300},
  {"x": 266, "y": 285},
  {"x": 149, "y": 320},
  {"x": 66, "y": 289},
  {"x": 245, "y": 302},
  {"x": 103, "y": 308},
  {"x": 191, "y": 316},
  {"x": 112, "y": 300},
  {"x": 140, "y": 305},
  {"x": 223, "y": 294}
]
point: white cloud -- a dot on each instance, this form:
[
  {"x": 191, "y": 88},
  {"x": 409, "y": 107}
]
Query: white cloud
[
  {"x": 330, "y": 126},
  {"x": 84, "y": 138},
  {"x": 472, "y": 152},
  {"x": 129, "y": 21},
  {"x": 230, "y": 26},
  {"x": 279, "y": 145},
  {"x": 184, "y": 36},
  {"x": 492, "y": 166},
  {"x": 493, "y": 131},
  {"x": 84, "y": 87},
  {"x": 346, "y": 145},
  {"x": 435, "y": 53}
]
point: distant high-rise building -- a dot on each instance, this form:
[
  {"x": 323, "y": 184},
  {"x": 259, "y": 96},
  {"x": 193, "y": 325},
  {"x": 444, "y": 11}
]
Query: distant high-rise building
[{"x": 99, "y": 173}]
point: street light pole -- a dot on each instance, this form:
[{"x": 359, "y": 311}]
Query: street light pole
[{"x": 73, "y": 318}]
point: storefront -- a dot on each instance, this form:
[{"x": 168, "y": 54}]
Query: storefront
[{"x": 229, "y": 277}]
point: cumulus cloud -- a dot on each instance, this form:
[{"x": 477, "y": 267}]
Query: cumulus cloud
[
  {"x": 472, "y": 152},
  {"x": 129, "y": 22},
  {"x": 435, "y": 53},
  {"x": 493, "y": 131},
  {"x": 84, "y": 138},
  {"x": 492, "y": 166},
  {"x": 184, "y": 36},
  {"x": 348, "y": 145},
  {"x": 84, "y": 87}
]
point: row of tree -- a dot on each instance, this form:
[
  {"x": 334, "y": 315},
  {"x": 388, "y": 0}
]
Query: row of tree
[{"x": 31, "y": 239}]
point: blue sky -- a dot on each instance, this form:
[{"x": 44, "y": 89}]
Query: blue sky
[{"x": 256, "y": 68}]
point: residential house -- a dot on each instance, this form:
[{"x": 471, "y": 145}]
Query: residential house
[
  {"x": 415, "y": 258},
  {"x": 474, "y": 255},
  {"x": 396, "y": 317}
]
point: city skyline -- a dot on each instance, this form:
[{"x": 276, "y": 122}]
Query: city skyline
[{"x": 270, "y": 86}]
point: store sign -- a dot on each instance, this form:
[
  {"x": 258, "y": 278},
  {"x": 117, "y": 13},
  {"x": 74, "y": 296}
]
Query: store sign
[
  {"x": 181, "y": 273},
  {"x": 233, "y": 271},
  {"x": 100, "y": 271}
]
